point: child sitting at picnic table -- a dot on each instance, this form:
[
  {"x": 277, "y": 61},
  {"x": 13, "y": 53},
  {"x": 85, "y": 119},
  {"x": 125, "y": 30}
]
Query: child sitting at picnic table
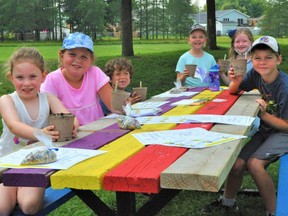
[
  {"x": 77, "y": 83},
  {"x": 120, "y": 72},
  {"x": 22, "y": 112},
  {"x": 270, "y": 142},
  {"x": 196, "y": 56}
]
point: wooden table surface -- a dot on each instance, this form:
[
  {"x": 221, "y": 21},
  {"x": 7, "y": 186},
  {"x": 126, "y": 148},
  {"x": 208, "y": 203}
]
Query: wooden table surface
[{"x": 130, "y": 167}]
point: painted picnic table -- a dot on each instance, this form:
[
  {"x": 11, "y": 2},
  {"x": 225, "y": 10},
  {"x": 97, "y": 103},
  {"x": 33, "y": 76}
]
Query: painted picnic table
[{"x": 128, "y": 167}]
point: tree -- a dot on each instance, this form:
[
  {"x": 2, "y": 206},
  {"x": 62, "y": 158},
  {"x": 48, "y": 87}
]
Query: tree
[
  {"x": 126, "y": 25},
  {"x": 180, "y": 17},
  {"x": 275, "y": 18},
  {"x": 211, "y": 24}
]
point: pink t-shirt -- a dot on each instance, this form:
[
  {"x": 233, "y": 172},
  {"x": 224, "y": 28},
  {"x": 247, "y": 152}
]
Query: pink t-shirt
[{"x": 82, "y": 102}]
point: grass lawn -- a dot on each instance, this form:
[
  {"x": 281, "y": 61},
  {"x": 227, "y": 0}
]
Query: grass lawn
[{"x": 154, "y": 63}]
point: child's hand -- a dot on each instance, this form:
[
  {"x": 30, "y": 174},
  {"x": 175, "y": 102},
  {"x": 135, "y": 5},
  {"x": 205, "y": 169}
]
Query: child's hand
[
  {"x": 186, "y": 73},
  {"x": 233, "y": 77},
  {"x": 134, "y": 98},
  {"x": 75, "y": 127},
  {"x": 49, "y": 130},
  {"x": 263, "y": 105}
]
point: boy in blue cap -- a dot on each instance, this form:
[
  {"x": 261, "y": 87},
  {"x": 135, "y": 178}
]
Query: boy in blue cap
[{"x": 271, "y": 141}]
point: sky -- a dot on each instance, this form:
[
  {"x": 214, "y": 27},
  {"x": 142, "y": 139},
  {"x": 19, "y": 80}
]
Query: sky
[{"x": 201, "y": 3}]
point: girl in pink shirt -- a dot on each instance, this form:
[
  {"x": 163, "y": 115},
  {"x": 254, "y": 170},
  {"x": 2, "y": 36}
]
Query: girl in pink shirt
[{"x": 77, "y": 83}]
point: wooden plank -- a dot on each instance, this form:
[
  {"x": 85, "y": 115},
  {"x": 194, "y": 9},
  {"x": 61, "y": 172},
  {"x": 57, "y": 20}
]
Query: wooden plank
[
  {"x": 282, "y": 194},
  {"x": 89, "y": 173},
  {"x": 141, "y": 173},
  {"x": 206, "y": 169}
]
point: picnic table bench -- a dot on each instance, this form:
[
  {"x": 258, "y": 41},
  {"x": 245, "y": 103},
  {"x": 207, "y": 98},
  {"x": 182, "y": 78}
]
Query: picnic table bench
[{"x": 282, "y": 192}]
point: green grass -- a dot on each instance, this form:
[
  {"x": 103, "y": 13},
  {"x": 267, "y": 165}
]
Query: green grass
[{"x": 154, "y": 63}]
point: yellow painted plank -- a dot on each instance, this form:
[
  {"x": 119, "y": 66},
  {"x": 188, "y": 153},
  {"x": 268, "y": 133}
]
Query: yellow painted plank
[
  {"x": 186, "y": 110},
  {"x": 88, "y": 174}
]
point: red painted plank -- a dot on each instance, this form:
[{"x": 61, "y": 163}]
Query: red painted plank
[{"x": 141, "y": 172}]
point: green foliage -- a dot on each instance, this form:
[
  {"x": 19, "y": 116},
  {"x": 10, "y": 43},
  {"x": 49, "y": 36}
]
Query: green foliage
[
  {"x": 180, "y": 19},
  {"x": 275, "y": 18},
  {"x": 253, "y": 8}
]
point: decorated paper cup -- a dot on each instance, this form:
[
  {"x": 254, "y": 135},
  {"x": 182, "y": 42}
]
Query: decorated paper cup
[
  {"x": 63, "y": 123},
  {"x": 224, "y": 64},
  {"x": 118, "y": 101},
  {"x": 239, "y": 66},
  {"x": 191, "y": 69},
  {"x": 141, "y": 91}
]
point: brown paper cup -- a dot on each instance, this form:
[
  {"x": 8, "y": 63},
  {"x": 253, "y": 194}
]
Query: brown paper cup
[
  {"x": 224, "y": 64},
  {"x": 118, "y": 101},
  {"x": 239, "y": 66},
  {"x": 191, "y": 69},
  {"x": 63, "y": 123},
  {"x": 141, "y": 91}
]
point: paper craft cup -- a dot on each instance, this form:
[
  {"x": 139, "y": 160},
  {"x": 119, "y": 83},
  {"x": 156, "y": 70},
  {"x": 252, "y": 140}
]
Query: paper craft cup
[
  {"x": 239, "y": 66},
  {"x": 63, "y": 123},
  {"x": 118, "y": 101},
  {"x": 191, "y": 69},
  {"x": 224, "y": 64},
  {"x": 141, "y": 91}
]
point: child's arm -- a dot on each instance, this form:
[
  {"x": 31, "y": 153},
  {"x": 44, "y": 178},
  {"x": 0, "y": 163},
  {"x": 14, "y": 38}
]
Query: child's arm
[
  {"x": 105, "y": 94},
  {"x": 225, "y": 78},
  {"x": 273, "y": 121},
  {"x": 56, "y": 106},
  {"x": 14, "y": 123}
]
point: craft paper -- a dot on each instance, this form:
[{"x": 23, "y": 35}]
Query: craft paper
[
  {"x": 205, "y": 118},
  {"x": 187, "y": 138},
  {"x": 66, "y": 157},
  {"x": 148, "y": 104},
  {"x": 169, "y": 95}
]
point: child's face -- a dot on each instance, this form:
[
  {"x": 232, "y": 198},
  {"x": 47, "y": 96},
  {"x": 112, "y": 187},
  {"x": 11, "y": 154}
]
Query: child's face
[
  {"x": 197, "y": 39},
  {"x": 265, "y": 62},
  {"x": 242, "y": 43},
  {"x": 27, "y": 78},
  {"x": 77, "y": 61},
  {"x": 122, "y": 77}
]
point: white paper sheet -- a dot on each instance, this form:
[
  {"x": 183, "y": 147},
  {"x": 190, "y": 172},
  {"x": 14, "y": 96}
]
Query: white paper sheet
[
  {"x": 66, "y": 157},
  {"x": 148, "y": 104},
  {"x": 169, "y": 95},
  {"x": 187, "y": 138},
  {"x": 205, "y": 118},
  {"x": 184, "y": 102}
]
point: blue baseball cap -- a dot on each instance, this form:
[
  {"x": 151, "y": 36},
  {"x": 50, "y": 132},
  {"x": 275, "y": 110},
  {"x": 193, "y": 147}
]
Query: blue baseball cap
[{"x": 78, "y": 40}]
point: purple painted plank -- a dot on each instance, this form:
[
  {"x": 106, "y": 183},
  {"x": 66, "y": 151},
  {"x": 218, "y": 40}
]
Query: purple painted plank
[
  {"x": 33, "y": 177},
  {"x": 98, "y": 138},
  {"x": 166, "y": 107}
]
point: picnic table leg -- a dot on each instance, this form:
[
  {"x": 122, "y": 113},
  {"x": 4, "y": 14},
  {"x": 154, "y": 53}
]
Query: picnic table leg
[
  {"x": 126, "y": 203},
  {"x": 94, "y": 202},
  {"x": 157, "y": 202}
]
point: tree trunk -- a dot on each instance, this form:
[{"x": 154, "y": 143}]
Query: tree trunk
[
  {"x": 211, "y": 24},
  {"x": 126, "y": 24}
]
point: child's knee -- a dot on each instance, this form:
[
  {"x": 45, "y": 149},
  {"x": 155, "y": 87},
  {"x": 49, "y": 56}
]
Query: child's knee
[{"x": 30, "y": 208}]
